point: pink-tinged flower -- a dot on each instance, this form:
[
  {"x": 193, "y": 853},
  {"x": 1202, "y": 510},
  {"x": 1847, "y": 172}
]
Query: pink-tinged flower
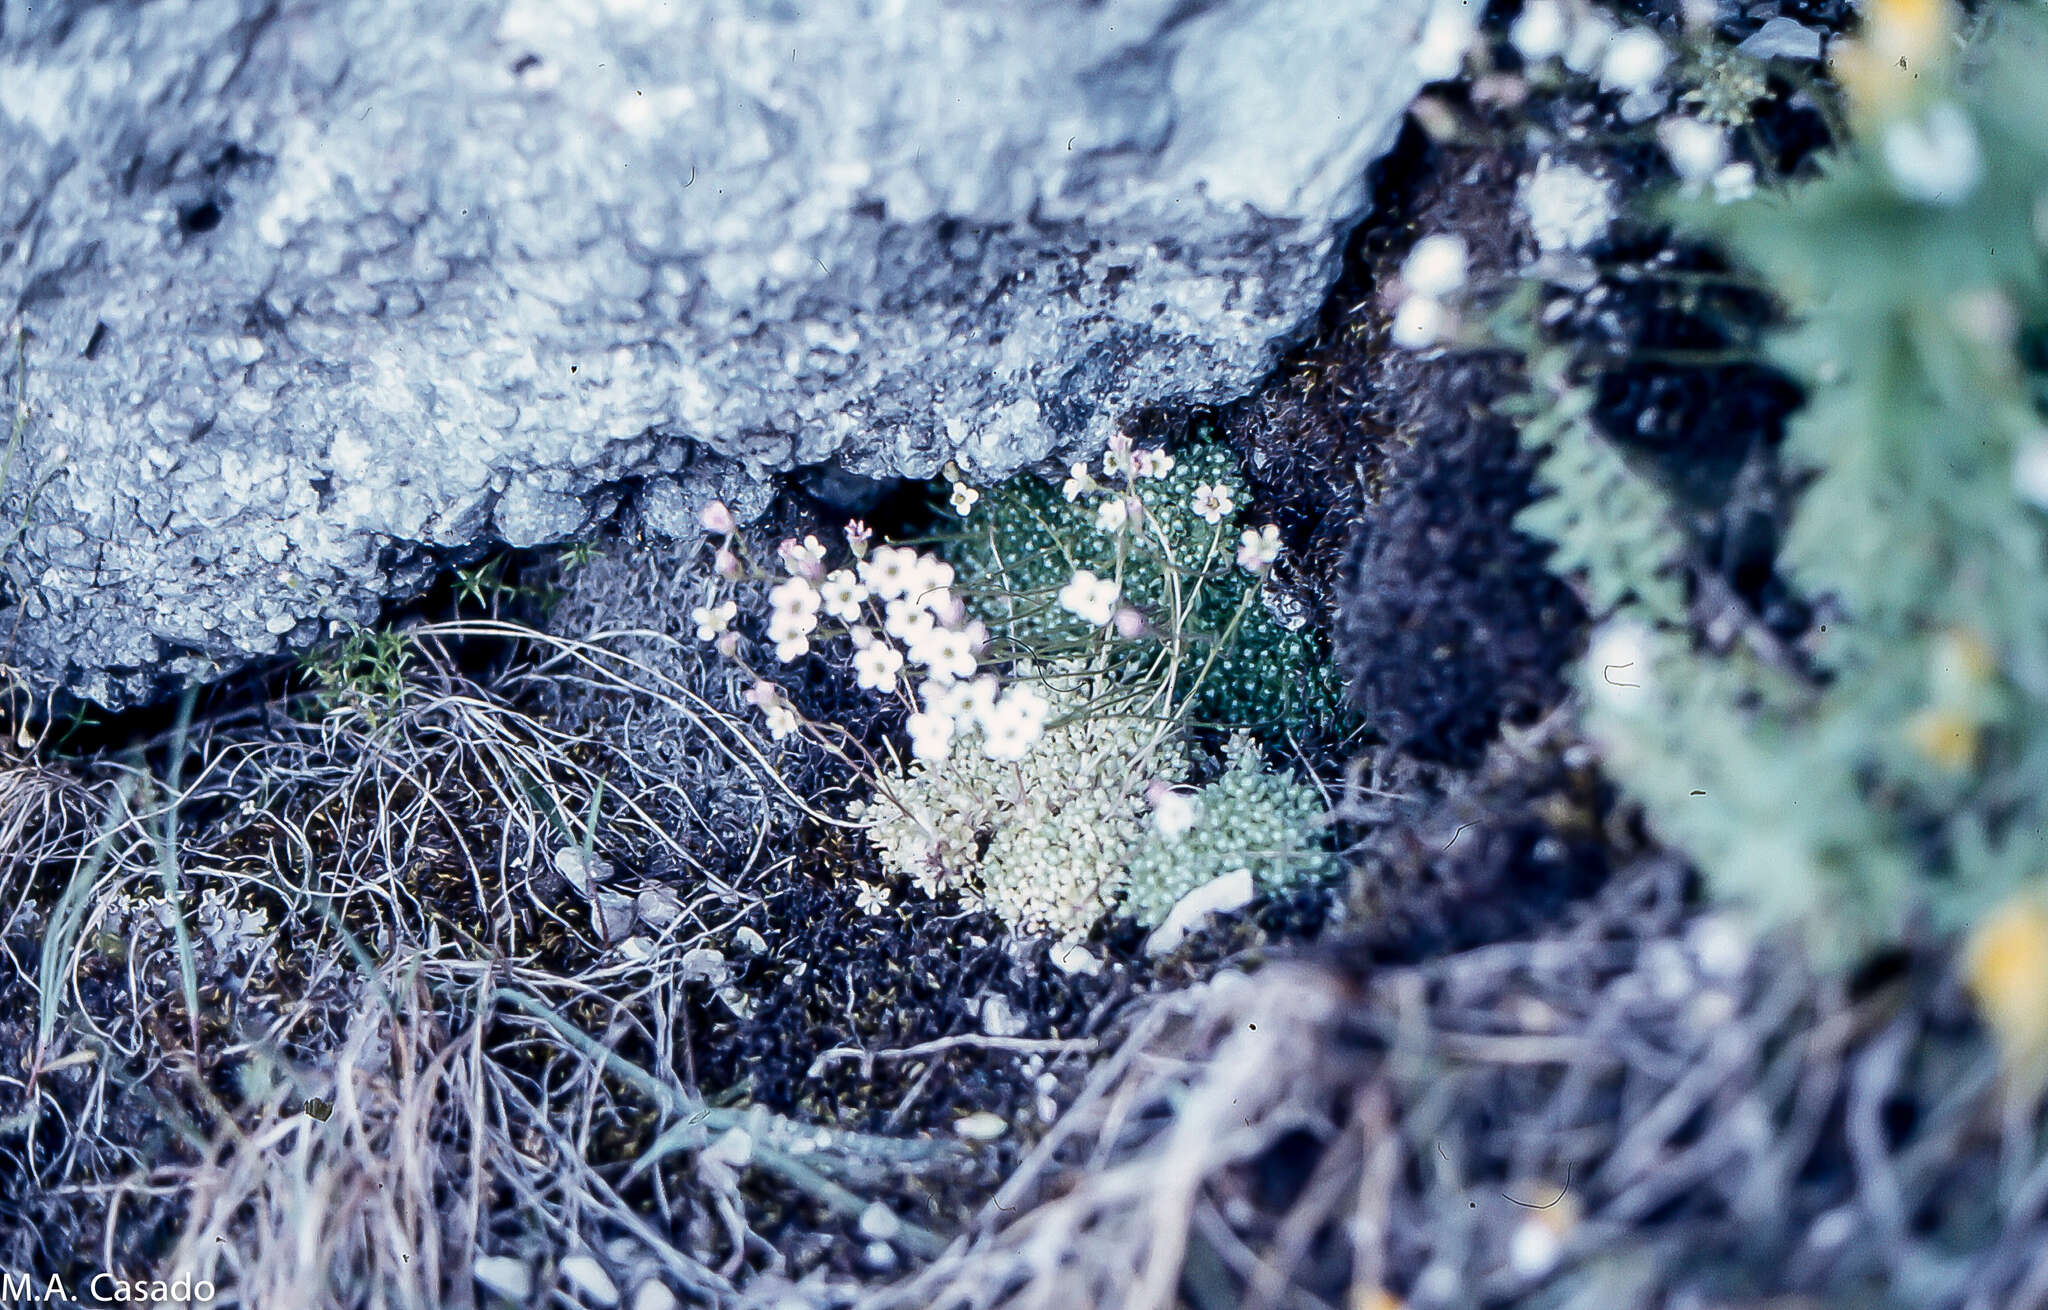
[
  {"x": 1116, "y": 461},
  {"x": 726, "y": 564},
  {"x": 728, "y": 644},
  {"x": 803, "y": 560},
  {"x": 1130, "y": 624},
  {"x": 763, "y": 694},
  {"x": 1151, "y": 463},
  {"x": 858, "y": 534},
  {"x": 717, "y": 517}
]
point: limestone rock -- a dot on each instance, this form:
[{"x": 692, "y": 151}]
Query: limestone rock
[{"x": 318, "y": 294}]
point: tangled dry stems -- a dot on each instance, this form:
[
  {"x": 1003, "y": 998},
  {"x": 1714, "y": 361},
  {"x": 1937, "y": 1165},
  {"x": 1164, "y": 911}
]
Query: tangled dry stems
[
  {"x": 1612, "y": 1117},
  {"x": 1616, "y": 1114},
  {"x": 415, "y": 979}
]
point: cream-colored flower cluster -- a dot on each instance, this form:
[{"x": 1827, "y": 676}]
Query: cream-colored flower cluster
[{"x": 1041, "y": 841}]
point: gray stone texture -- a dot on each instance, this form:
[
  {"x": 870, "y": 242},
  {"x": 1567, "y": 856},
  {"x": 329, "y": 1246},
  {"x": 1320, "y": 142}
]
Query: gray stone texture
[{"x": 318, "y": 293}]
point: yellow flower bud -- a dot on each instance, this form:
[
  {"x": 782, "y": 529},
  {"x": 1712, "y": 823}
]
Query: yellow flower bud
[
  {"x": 1902, "y": 43},
  {"x": 2006, "y": 966},
  {"x": 1947, "y": 737}
]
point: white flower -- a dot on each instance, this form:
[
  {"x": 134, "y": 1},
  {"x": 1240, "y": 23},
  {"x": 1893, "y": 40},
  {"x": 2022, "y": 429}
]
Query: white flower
[
  {"x": 1090, "y": 598},
  {"x": 1212, "y": 502},
  {"x": 929, "y": 574},
  {"x": 1112, "y": 514},
  {"x": 795, "y": 597},
  {"x": 2030, "y": 471},
  {"x": 947, "y": 699},
  {"x": 1257, "y": 550},
  {"x": 889, "y": 571},
  {"x": 1435, "y": 266},
  {"x": 871, "y": 898},
  {"x": 785, "y": 627},
  {"x": 1534, "y": 1248},
  {"x": 1540, "y": 31},
  {"x": 713, "y": 619},
  {"x": 1934, "y": 157},
  {"x": 1697, "y": 149},
  {"x": 948, "y": 653},
  {"x": 782, "y": 721},
  {"x": 1151, "y": 463},
  {"x": 1079, "y": 483},
  {"x": 907, "y": 620},
  {"x": 841, "y": 594},
  {"x": 875, "y": 668},
  {"x": 803, "y": 560},
  {"x": 1439, "y": 53},
  {"x": 963, "y": 497},
  {"x": 791, "y": 647},
  {"x": 1421, "y": 322},
  {"x": 931, "y": 735},
  {"x": 1013, "y": 723},
  {"x": 1634, "y": 60}
]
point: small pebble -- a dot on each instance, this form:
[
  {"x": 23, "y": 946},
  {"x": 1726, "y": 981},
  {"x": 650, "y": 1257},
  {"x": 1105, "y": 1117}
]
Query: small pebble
[
  {"x": 655, "y": 1296},
  {"x": 581, "y": 871},
  {"x": 590, "y": 1281},
  {"x": 613, "y": 916},
  {"x": 658, "y": 906},
  {"x": 879, "y": 1223},
  {"x": 705, "y": 964},
  {"x": 504, "y": 1275}
]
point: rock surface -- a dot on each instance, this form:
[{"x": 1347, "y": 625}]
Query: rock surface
[{"x": 316, "y": 292}]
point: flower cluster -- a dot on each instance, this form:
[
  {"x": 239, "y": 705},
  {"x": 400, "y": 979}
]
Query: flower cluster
[
  {"x": 1045, "y": 673},
  {"x": 1041, "y": 841},
  {"x": 1139, "y": 552},
  {"x": 911, "y": 639}
]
